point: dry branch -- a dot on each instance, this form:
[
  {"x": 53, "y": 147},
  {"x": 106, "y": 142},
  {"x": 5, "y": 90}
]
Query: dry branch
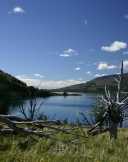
[
  {"x": 114, "y": 109},
  {"x": 14, "y": 127}
]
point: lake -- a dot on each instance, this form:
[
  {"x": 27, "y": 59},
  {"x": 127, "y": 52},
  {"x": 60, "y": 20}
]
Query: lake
[{"x": 60, "y": 107}]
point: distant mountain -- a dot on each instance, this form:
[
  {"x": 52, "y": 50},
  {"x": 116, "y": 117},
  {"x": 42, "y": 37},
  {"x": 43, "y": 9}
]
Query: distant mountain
[{"x": 96, "y": 85}]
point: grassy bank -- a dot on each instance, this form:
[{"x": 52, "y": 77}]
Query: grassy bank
[{"x": 93, "y": 149}]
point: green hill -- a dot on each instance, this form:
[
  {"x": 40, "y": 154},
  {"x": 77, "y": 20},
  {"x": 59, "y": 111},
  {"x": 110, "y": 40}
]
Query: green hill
[
  {"x": 96, "y": 85},
  {"x": 16, "y": 88}
]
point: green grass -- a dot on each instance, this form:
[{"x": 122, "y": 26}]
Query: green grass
[{"x": 92, "y": 149}]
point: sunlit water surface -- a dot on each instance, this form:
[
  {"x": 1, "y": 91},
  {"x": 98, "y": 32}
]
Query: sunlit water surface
[{"x": 60, "y": 107}]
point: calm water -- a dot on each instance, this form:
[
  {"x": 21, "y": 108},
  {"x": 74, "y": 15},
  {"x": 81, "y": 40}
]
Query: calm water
[{"x": 61, "y": 108}]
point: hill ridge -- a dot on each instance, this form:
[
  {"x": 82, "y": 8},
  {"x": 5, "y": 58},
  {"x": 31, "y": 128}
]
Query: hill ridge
[{"x": 96, "y": 84}]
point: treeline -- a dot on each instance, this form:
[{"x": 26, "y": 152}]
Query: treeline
[
  {"x": 9, "y": 85},
  {"x": 13, "y": 91}
]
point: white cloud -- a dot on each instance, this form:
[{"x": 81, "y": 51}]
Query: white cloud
[
  {"x": 88, "y": 72},
  {"x": 30, "y": 76},
  {"x": 125, "y": 64},
  {"x": 70, "y": 50},
  {"x": 23, "y": 76},
  {"x": 48, "y": 84},
  {"x": 99, "y": 75},
  {"x": 114, "y": 47},
  {"x": 77, "y": 68},
  {"x": 68, "y": 53},
  {"x": 105, "y": 66},
  {"x": 17, "y": 10},
  {"x": 64, "y": 55},
  {"x": 39, "y": 75}
]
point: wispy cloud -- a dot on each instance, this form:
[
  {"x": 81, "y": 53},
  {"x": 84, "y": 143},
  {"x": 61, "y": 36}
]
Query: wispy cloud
[
  {"x": 99, "y": 75},
  {"x": 126, "y": 16},
  {"x": 85, "y": 22},
  {"x": 105, "y": 66},
  {"x": 81, "y": 79},
  {"x": 80, "y": 63},
  {"x": 48, "y": 84},
  {"x": 89, "y": 72},
  {"x": 68, "y": 53},
  {"x": 30, "y": 76},
  {"x": 77, "y": 68},
  {"x": 70, "y": 50},
  {"x": 39, "y": 75},
  {"x": 17, "y": 10},
  {"x": 125, "y": 64},
  {"x": 114, "y": 47},
  {"x": 64, "y": 55}
]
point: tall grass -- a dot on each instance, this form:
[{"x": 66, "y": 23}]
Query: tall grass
[{"x": 92, "y": 149}]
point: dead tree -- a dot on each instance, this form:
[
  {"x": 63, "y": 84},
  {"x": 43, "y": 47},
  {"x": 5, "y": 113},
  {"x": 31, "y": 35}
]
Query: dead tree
[
  {"x": 31, "y": 111},
  {"x": 115, "y": 108}
]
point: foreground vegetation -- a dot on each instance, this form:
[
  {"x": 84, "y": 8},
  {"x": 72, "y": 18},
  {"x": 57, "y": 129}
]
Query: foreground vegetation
[{"x": 62, "y": 147}]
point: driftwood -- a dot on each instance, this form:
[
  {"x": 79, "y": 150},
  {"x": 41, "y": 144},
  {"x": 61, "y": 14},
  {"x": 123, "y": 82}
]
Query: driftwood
[
  {"x": 13, "y": 118},
  {"x": 18, "y": 130},
  {"x": 16, "y": 125},
  {"x": 99, "y": 131},
  {"x": 28, "y": 126},
  {"x": 6, "y": 131}
]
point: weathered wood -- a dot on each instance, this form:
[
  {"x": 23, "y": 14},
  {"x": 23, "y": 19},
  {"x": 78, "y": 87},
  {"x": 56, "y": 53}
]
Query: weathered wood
[
  {"x": 99, "y": 131},
  {"x": 14, "y": 118},
  {"x": 115, "y": 109},
  {"x": 24, "y": 121},
  {"x": 6, "y": 131},
  {"x": 14, "y": 129}
]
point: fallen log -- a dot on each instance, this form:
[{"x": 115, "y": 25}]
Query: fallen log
[
  {"x": 14, "y": 118},
  {"x": 6, "y": 131},
  {"x": 98, "y": 131},
  {"x": 14, "y": 129},
  {"x": 24, "y": 121}
]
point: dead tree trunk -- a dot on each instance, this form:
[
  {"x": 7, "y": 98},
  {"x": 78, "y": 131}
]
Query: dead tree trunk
[
  {"x": 115, "y": 108},
  {"x": 113, "y": 130}
]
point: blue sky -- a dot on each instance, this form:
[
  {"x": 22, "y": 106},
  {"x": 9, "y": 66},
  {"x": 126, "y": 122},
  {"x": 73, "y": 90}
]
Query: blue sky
[{"x": 56, "y": 43}]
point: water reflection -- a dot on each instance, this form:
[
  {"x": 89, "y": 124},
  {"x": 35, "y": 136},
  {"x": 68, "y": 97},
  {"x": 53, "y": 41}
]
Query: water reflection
[
  {"x": 59, "y": 107},
  {"x": 7, "y": 101}
]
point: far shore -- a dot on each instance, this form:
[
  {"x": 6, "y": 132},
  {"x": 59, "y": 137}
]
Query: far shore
[{"x": 67, "y": 94}]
